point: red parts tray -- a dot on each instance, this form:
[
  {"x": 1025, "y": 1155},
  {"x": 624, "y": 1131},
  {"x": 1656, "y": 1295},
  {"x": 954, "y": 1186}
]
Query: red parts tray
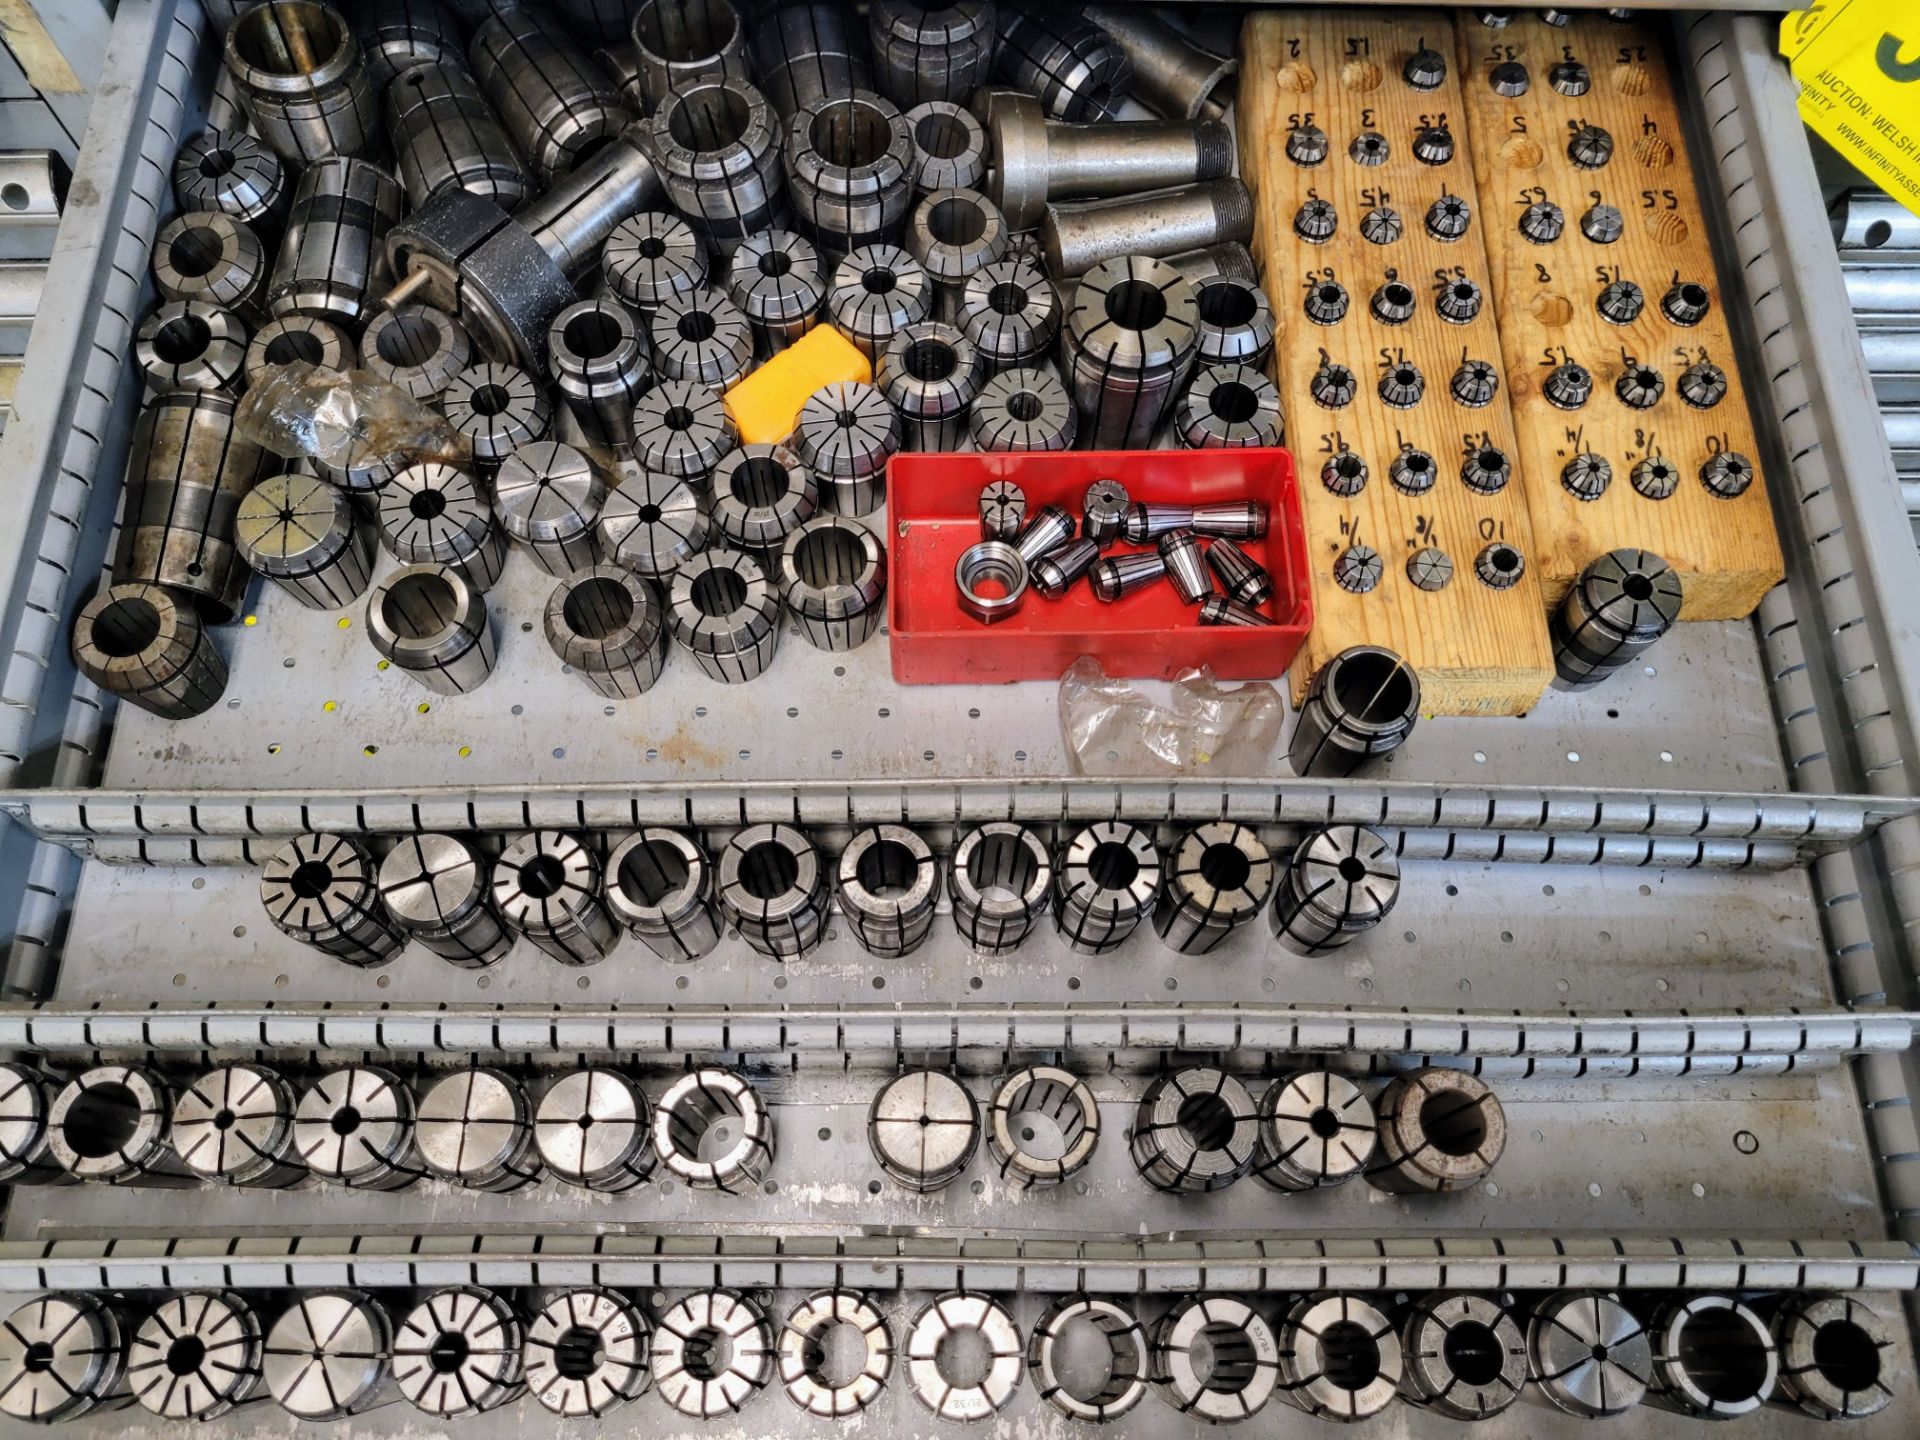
[{"x": 933, "y": 504}]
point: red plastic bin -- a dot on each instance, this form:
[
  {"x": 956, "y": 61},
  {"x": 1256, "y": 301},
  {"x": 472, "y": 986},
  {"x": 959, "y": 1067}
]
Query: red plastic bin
[{"x": 933, "y": 508}]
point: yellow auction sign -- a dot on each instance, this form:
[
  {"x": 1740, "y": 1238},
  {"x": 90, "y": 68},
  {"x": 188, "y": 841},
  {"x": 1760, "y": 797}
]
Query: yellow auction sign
[{"x": 1858, "y": 64}]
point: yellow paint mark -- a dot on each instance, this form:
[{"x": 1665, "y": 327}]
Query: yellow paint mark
[
  {"x": 369, "y": 749},
  {"x": 46, "y": 68},
  {"x": 274, "y": 748},
  {"x": 381, "y": 665},
  {"x": 251, "y": 620},
  {"x": 344, "y": 622},
  {"x": 331, "y": 706},
  {"x": 423, "y": 707},
  {"x": 465, "y": 751}
]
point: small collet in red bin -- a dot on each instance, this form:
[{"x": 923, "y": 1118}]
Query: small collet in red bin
[{"x": 1185, "y": 566}]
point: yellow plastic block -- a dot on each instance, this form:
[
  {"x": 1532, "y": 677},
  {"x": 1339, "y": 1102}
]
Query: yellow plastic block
[{"x": 766, "y": 404}]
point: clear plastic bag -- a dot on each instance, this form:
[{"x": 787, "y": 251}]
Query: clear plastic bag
[
  {"x": 1113, "y": 727},
  {"x": 345, "y": 419}
]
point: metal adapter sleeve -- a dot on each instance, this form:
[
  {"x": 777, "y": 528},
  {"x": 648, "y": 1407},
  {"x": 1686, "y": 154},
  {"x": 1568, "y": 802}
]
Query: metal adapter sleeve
[
  {"x": 726, "y": 615},
  {"x": 212, "y": 259},
  {"x": 1361, "y": 704},
  {"x": 148, "y": 646},
  {"x": 772, "y": 882},
  {"x": 833, "y": 576},
  {"x": 1077, "y": 238},
  {"x": 475, "y": 1128},
  {"x": 1440, "y": 1130},
  {"x": 446, "y": 137},
  {"x": 716, "y": 145},
  {"x": 678, "y": 45},
  {"x": 331, "y": 265},
  {"x": 234, "y": 1126},
  {"x": 850, "y": 163},
  {"x": 323, "y": 891},
  {"x": 1195, "y": 1130},
  {"x": 594, "y": 1129},
  {"x": 692, "y": 1106},
  {"x": 1042, "y": 160},
  {"x": 1218, "y": 878},
  {"x": 428, "y": 620},
  {"x": 547, "y": 887},
  {"x": 1171, "y": 74},
  {"x": 609, "y": 626},
  {"x": 923, "y": 1128},
  {"x": 433, "y": 514},
  {"x": 436, "y": 889},
  {"x": 189, "y": 471},
  {"x": 554, "y": 101},
  {"x": 303, "y": 80},
  {"x": 660, "y": 887},
  {"x": 231, "y": 172},
  {"x": 999, "y": 882},
  {"x": 888, "y": 884}
]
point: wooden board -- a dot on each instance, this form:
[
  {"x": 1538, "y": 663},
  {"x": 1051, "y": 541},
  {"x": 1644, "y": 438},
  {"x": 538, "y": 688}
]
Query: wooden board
[
  {"x": 1479, "y": 650},
  {"x": 1546, "y": 297}
]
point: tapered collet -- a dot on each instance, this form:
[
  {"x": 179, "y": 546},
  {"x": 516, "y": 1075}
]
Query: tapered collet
[{"x": 1042, "y": 159}]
